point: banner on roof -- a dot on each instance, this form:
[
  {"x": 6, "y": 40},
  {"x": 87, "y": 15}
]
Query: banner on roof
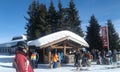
[{"x": 104, "y": 37}]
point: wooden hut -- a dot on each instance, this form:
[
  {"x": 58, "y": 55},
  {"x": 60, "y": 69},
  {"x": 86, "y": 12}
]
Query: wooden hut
[{"x": 65, "y": 41}]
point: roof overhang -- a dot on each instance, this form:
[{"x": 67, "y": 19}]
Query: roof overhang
[{"x": 57, "y": 37}]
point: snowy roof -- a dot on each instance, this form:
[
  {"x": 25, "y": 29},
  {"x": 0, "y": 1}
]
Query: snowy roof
[
  {"x": 24, "y": 37},
  {"x": 11, "y": 43},
  {"x": 58, "y": 37},
  {"x": 14, "y": 41}
]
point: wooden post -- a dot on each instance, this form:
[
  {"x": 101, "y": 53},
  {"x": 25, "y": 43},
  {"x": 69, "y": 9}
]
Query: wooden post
[
  {"x": 50, "y": 60},
  {"x": 43, "y": 55},
  {"x": 64, "y": 48},
  {"x": 65, "y": 51}
]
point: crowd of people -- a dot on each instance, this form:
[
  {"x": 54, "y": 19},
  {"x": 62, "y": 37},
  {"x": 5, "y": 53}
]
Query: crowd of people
[
  {"x": 83, "y": 58},
  {"x": 26, "y": 63},
  {"x": 105, "y": 57}
]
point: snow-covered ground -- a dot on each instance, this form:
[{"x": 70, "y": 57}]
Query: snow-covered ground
[{"x": 6, "y": 66}]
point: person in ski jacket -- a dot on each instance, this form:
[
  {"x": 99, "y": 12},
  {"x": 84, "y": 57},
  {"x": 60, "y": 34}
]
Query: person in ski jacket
[
  {"x": 34, "y": 59},
  {"x": 89, "y": 58},
  {"x": 55, "y": 59},
  {"x": 21, "y": 60},
  {"x": 114, "y": 55},
  {"x": 77, "y": 58}
]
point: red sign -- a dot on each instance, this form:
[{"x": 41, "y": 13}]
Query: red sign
[{"x": 104, "y": 37}]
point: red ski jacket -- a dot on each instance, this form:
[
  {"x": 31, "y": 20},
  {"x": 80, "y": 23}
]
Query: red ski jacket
[{"x": 23, "y": 64}]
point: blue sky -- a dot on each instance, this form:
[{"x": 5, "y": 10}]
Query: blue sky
[{"x": 12, "y": 14}]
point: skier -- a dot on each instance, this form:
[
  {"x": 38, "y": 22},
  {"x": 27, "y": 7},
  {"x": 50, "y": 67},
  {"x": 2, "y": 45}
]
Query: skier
[
  {"x": 34, "y": 59},
  {"x": 55, "y": 59},
  {"x": 21, "y": 60}
]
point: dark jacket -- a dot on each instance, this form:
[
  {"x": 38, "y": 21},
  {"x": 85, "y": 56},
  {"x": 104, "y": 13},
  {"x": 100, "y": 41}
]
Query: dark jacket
[{"x": 78, "y": 55}]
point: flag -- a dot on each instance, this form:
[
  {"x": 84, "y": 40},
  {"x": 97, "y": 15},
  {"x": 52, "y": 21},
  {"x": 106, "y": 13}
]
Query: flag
[{"x": 104, "y": 37}]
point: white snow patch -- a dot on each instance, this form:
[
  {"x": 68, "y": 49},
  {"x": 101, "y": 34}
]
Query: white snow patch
[{"x": 6, "y": 66}]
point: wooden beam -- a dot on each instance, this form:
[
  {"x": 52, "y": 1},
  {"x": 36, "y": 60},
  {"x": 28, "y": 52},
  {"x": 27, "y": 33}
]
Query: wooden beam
[
  {"x": 59, "y": 47},
  {"x": 73, "y": 45}
]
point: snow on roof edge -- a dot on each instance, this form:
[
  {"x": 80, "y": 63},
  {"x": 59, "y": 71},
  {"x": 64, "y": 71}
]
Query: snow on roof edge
[{"x": 57, "y": 35}]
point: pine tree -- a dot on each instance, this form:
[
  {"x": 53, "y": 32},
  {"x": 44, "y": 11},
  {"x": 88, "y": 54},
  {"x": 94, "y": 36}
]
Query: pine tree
[
  {"x": 30, "y": 26},
  {"x": 93, "y": 34},
  {"x": 52, "y": 17},
  {"x": 73, "y": 18},
  {"x": 60, "y": 14},
  {"x": 114, "y": 39},
  {"x": 65, "y": 21},
  {"x": 43, "y": 25},
  {"x": 36, "y": 25}
]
